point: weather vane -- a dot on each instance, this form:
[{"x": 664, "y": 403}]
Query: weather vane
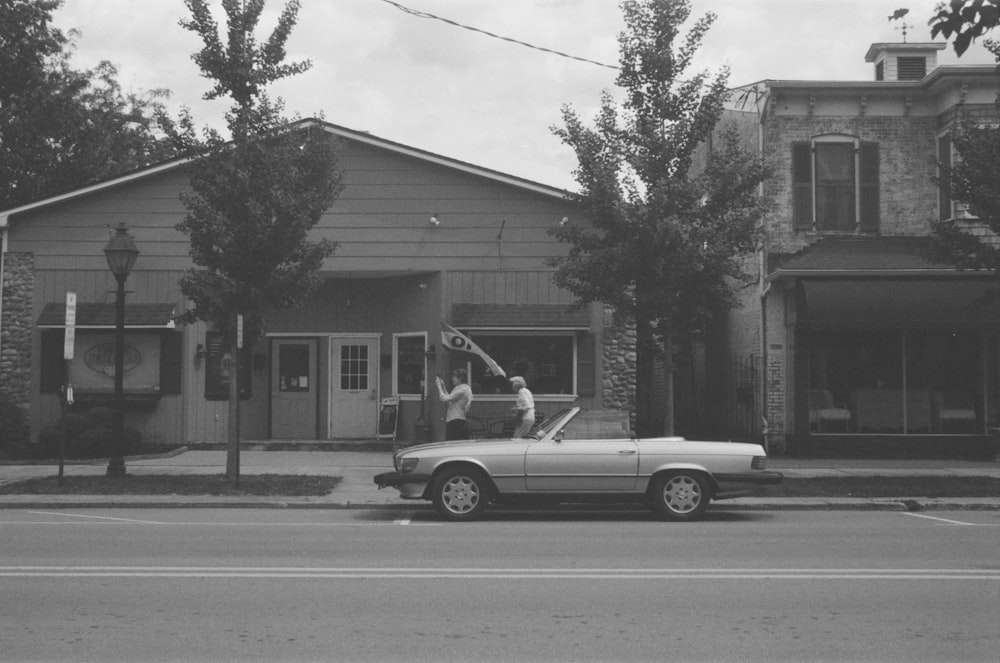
[{"x": 898, "y": 15}]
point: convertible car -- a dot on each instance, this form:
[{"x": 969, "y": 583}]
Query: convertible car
[{"x": 570, "y": 459}]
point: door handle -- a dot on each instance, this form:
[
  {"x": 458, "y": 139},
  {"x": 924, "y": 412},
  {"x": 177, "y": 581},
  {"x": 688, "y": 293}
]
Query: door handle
[{"x": 627, "y": 451}]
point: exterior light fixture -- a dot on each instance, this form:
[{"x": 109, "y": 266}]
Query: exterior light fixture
[{"x": 435, "y": 221}]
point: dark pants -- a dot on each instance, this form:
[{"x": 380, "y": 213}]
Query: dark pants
[{"x": 456, "y": 429}]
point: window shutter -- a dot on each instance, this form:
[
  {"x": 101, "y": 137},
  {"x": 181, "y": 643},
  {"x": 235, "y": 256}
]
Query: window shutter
[
  {"x": 586, "y": 376},
  {"x": 170, "y": 363},
  {"x": 52, "y": 364},
  {"x": 802, "y": 182},
  {"x": 868, "y": 165},
  {"x": 944, "y": 177}
]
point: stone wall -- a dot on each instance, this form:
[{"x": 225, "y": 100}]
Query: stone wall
[
  {"x": 16, "y": 329},
  {"x": 618, "y": 369}
]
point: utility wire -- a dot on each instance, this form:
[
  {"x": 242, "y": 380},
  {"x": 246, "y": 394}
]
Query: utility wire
[{"x": 421, "y": 14}]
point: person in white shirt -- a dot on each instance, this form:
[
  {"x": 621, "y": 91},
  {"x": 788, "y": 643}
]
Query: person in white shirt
[
  {"x": 524, "y": 409},
  {"x": 459, "y": 400}
]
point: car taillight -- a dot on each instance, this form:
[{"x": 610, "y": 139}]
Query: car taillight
[{"x": 758, "y": 463}]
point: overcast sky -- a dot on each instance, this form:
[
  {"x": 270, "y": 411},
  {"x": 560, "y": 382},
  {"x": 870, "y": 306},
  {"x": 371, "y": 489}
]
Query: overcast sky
[{"x": 462, "y": 94}]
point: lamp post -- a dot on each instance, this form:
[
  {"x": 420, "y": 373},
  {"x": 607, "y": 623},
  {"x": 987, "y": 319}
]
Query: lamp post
[{"x": 121, "y": 254}]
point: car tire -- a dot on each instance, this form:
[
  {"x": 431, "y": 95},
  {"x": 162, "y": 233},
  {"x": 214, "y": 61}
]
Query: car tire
[
  {"x": 680, "y": 495},
  {"x": 460, "y": 493}
]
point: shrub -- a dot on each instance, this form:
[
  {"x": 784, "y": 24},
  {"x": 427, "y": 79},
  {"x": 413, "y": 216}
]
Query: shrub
[{"x": 13, "y": 424}]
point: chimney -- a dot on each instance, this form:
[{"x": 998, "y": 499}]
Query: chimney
[{"x": 903, "y": 62}]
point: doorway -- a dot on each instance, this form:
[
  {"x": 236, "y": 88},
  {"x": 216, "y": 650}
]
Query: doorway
[
  {"x": 294, "y": 394},
  {"x": 353, "y": 387}
]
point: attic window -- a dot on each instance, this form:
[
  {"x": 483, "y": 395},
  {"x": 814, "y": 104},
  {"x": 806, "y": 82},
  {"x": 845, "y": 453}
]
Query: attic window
[
  {"x": 912, "y": 68},
  {"x": 880, "y": 71}
]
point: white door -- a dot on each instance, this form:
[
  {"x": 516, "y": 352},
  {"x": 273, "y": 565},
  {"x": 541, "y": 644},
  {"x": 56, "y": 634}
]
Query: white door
[
  {"x": 353, "y": 387},
  {"x": 294, "y": 402}
]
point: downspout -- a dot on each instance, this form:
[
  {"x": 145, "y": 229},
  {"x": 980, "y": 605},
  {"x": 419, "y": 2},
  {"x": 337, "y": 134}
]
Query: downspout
[{"x": 3, "y": 256}]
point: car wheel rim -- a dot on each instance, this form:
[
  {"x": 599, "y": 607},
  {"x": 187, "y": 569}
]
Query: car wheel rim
[
  {"x": 460, "y": 495},
  {"x": 682, "y": 494}
]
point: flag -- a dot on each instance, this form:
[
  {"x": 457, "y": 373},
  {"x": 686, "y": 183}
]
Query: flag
[{"x": 453, "y": 339}]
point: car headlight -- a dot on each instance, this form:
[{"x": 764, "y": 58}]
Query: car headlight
[{"x": 408, "y": 464}]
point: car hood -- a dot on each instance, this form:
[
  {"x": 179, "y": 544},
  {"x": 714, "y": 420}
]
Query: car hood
[{"x": 459, "y": 446}]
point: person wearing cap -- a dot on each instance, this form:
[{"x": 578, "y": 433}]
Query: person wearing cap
[{"x": 524, "y": 409}]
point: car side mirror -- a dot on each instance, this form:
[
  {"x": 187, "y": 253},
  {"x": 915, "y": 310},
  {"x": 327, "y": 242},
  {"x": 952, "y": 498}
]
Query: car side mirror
[{"x": 559, "y": 435}]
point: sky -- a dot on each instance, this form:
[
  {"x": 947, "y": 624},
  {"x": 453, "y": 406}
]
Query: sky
[{"x": 462, "y": 94}]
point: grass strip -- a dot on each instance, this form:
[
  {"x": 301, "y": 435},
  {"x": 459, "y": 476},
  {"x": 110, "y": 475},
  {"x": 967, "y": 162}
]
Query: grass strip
[{"x": 264, "y": 485}]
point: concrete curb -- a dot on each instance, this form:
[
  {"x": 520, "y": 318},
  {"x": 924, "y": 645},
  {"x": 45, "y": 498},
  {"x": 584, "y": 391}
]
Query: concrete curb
[{"x": 201, "y": 502}]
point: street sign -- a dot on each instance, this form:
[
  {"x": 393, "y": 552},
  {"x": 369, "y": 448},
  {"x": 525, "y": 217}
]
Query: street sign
[{"x": 69, "y": 338}]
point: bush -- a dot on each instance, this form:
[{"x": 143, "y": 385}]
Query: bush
[
  {"x": 13, "y": 424},
  {"x": 97, "y": 441}
]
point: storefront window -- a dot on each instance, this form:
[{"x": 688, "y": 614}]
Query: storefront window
[
  {"x": 410, "y": 363},
  {"x": 544, "y": 360},
  {"x": 884, "y": 383}
]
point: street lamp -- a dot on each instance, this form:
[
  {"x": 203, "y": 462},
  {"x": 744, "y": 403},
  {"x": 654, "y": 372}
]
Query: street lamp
[{"x": 121, "y": 254}]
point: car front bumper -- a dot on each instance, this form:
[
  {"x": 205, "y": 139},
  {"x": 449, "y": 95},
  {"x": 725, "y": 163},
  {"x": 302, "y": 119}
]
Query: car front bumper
[{"x": 410, "y": 486}]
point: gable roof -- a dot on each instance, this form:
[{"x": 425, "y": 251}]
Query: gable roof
[{"x": 336, "y": 130}]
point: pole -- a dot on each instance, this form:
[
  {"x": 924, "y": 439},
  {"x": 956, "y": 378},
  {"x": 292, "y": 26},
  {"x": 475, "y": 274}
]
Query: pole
[{"x": 116, "y": 465}]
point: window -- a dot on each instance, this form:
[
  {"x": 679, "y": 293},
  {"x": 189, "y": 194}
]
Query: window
[
  {"x": 547, "y": 360},
  {"x": 948, "y": 208},
  {"x": 409, "y": 364},
  {"x": 152, "y": 363},
  {"x": 911, "y": 68},
  {"x": 835, "y": 181},
  {"x": 354, "y": 367}
]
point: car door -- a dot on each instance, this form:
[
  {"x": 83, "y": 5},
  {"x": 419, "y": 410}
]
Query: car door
[{"x": 570, "y": 466}]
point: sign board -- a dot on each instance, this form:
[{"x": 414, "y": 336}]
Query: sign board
[
  {"x": 239, "y": 331},
  {"x": 69, "y": 337},
  {"x": 388, "y": 415}
]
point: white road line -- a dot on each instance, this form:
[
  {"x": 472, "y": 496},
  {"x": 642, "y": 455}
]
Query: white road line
[
  {"x": 943, "y": 520},
  {"x": 497, "y": 574},
  {"x": 99, "y": 518}
]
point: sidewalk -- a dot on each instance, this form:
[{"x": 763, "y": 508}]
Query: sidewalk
[{"x": 357, "y": 489}]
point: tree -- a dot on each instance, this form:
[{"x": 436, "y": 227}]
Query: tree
[
  {"x": 61, "y": 128},
  {"x": 974, "y": 177},
  {"x": 966, "y": 20},
  {"x": 666, "y": 242},
  {"x": 254, "y": 198}
]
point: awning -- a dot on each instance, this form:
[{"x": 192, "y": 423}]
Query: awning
[
  {"x": 947, "y": 304},
  {"x": 102, "y": 316},
  {"x": 489, "y": 316}
]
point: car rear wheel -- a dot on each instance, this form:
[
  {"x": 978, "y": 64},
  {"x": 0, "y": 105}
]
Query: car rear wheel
[
  {"x": 460, "y": 493},
  {"x": 680, "y": 495}
]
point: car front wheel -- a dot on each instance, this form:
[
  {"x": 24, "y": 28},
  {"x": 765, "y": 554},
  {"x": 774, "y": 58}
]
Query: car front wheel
[
  {"x": 680, "y": 495},
  {"x": 460, "y": 494}
]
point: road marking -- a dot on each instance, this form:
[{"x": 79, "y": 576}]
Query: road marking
[
  {"x": 945, "y": 520},
  {"x": 99, "y": 518},
  {"x": 492, "y": 574}
]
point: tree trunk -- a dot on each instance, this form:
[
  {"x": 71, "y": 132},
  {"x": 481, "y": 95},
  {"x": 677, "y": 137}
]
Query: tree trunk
[
  {"x": 645, "y": 361},
  {"x": 668, "y": 378},
  {"x": 233, "y": 429}
]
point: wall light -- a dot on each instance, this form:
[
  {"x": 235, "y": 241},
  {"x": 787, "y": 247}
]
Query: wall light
[
  {"x": 434, "y": 220},
  {"x": 563, "y": 221}
]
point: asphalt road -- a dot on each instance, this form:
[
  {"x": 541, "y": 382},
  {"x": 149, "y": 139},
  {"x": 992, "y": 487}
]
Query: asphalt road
[{"x": 379, "y": 585}]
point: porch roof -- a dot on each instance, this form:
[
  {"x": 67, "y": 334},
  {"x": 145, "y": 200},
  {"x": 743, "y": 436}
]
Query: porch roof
[
  {"x": 102, "y": 316},
  {"x": 865, "y": 256}
]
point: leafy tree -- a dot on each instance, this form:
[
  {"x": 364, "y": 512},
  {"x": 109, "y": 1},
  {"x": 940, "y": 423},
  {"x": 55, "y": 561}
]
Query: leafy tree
[
  {"x": 974, "y": 177},
  {"x": 62, "y": 128},
  {"x": 254, "y": 198},
  {"x": 667, "y": 241},
  {"x": 966, "y": 20}
]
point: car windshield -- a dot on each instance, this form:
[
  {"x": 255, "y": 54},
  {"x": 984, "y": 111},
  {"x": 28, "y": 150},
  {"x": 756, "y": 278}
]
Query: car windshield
[{"x": 549, "y": 424}]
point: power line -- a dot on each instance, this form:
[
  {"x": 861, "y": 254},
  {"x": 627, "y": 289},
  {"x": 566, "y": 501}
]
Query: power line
[{"x": 421, "y": 14}]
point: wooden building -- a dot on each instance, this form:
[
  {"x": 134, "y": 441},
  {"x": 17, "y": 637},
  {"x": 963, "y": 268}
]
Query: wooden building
[{"x": 423, "y": 239}]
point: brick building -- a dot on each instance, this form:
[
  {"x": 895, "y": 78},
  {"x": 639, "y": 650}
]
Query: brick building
[{"x": 864, "y": 346}]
